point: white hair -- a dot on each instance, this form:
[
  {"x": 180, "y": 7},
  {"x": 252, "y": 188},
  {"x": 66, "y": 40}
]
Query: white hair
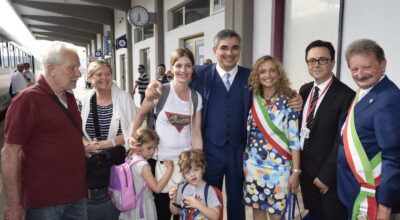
[{"x": 56, "y": 53}]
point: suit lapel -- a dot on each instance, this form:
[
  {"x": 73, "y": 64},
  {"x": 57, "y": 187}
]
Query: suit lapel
[
  {"x": 371, "y": 96},
  {"x": 307, "y": 90},
  {"x": 366, "y": 101},
  {"x": 304, "y": 93},
  {"x": 329, "y": 96},
  {"x": 208, "y": 80}
]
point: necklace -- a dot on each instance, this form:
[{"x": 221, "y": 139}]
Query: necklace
[{"x": 268, "y": 102}]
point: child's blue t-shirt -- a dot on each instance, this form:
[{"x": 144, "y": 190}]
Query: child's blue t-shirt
[{"x": 212, "y": 198}]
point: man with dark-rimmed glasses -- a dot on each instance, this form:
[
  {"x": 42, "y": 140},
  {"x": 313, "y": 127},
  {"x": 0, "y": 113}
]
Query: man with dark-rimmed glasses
[{"x": 326, "y": 99}]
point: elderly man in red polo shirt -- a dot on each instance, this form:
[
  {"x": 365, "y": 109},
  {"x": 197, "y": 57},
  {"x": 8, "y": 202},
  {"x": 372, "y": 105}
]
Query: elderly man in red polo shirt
[{"x": 43, "y": 158}]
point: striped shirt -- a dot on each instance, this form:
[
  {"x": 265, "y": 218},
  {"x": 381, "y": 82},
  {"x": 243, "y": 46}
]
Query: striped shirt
[
  {"x": 143, "y": 82},
  {"x": 105, "y": 114}
]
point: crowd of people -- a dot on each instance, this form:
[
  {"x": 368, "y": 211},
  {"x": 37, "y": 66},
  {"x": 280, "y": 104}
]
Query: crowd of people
[
  {"x": 21, "y": 78},
  {"x": 213, "y": 123}
]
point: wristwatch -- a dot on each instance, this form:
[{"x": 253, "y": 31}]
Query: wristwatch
[{"x": 296, "y": 170}]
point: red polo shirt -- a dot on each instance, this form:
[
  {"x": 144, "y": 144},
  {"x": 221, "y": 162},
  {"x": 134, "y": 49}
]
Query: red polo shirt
[{"x": 53, "y": 157}]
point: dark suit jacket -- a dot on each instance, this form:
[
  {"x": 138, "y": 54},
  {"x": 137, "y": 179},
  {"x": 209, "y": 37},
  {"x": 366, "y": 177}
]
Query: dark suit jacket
[
  {"x": 376, "y": 117},
  {"x": 203, "y": 80},
  {"x": 325, "y": 130}
]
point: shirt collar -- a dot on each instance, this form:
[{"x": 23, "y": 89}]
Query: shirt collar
[
  {"x": 323, "y": 85},
  {"x": 222, "y": 72},
  {"x": 364, "y": 92}
]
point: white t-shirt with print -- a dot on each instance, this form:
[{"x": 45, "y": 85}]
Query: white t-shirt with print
[{"x": 173, "y": 126}]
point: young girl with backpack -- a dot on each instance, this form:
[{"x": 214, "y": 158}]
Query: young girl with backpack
[
  {"x": 195, "y": 199},
  {"x": 147, "y": 139}
]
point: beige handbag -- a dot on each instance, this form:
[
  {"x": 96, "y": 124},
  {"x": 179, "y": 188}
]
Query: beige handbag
[{"x": 176, "y": 177}]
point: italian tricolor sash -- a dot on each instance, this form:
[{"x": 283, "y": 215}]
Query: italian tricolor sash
[
  {"x": 271, "y": 132},
  {"x": 367, "y": 172}
]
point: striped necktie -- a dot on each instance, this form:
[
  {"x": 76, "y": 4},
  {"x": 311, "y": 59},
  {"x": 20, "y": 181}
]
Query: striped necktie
[
  {"x": 313, "y": 102},
  {"x": 309, "y": 122},
  {"x": 226, "y": 81}
]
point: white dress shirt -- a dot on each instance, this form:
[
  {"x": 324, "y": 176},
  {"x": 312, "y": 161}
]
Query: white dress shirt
[
  {"x": 321, "y": 88},
  {"x": 364, "y": 92},
  {"x": 232, "y": 73}
]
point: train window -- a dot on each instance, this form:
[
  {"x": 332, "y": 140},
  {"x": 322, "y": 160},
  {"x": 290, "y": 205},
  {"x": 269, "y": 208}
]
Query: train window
[
  {"x": 11, "y": 55},
  {"x": 5, "y": 54},
  {"x": 21, "y": 56},
  {"x": 16, "y": 54},
  {"x": 1, "y": 52}
]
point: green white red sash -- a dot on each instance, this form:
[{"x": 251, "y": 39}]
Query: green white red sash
[
  {"x": 367, "y": 172},
  {"x": 271, "y": 132}
]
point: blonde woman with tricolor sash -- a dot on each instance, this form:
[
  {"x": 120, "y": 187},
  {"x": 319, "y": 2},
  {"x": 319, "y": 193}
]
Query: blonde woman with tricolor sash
[{"x": 271, "y": 159}]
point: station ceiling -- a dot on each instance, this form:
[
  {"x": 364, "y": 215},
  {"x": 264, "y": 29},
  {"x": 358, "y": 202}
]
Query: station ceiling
[{"x": 73, "y": 21}]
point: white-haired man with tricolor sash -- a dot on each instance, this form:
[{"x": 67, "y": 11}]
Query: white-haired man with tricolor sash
[{"x": 369, "y": 153}]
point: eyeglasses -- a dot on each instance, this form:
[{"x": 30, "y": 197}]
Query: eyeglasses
[{"x": 320, "y": 61}]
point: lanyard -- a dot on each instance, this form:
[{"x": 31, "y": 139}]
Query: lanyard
[{"x": 311, "y": 106}]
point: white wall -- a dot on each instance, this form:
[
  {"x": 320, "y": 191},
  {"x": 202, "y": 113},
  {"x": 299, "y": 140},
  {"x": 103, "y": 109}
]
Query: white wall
[
  {"x": 377, "y": 21},
  {"x": 148, "y": 43},
  {"x": 262, "y": 34},
  {"x": 120, "y": 29},
  {"x": 306, "y": 21},
  {"x": 208, "y": 27},
  {"x": 137, "y": 47}
]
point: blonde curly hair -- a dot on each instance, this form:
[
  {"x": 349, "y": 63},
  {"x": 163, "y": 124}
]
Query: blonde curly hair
[
  {"x": 283, "y": 84},
  {"x": 187, "y": 158}
]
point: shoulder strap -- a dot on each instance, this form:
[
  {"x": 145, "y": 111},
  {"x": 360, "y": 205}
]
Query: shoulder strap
[
  {"x": 184, "y": 186},
  {"x": 164, "y": 96},
  {"x": 162, "y": 99},
  {"x": 130, "y": 161},
  {"x": 93, "y": 103},
  {"x": 206, "y": 193},
  {"x": 65, "y": 110},
  {"x": 195, "y": 100}
]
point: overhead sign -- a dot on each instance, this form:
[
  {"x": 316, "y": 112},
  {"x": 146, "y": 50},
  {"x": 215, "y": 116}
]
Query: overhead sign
[
  {"x": 97, "y": 53},
  {"x": 106, "y": 45},
  {"x": 122, "y": 42}
]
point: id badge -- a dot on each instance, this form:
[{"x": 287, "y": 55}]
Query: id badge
[{"x": 305, "y": 132}]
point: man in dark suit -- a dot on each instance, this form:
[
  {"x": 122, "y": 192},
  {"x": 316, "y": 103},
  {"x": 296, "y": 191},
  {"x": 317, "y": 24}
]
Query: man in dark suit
[
  {"x": 326, "y": 99},
  {"x": 226, "y": 104},
  {"x": 369, "y": 152}
]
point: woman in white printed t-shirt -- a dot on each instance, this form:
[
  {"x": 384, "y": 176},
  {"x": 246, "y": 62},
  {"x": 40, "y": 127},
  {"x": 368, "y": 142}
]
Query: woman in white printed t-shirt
[{"x": 177, "y": 124}]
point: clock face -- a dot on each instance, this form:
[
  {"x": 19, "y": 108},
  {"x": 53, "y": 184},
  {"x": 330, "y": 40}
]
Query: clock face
[
  {"x": 138, "y": 16},
  {"x": 122, "y": 43}
]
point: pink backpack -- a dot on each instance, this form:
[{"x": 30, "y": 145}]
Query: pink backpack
[{"x": 122, "y": 187}]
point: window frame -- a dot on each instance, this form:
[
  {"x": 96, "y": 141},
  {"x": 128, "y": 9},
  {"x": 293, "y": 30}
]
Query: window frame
[
  {"x": 5, "y": 54},
  {"x": 212, "y": 11},
  {"x": 142, "y": 35},
  {"x": 194, "y": 39}
]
